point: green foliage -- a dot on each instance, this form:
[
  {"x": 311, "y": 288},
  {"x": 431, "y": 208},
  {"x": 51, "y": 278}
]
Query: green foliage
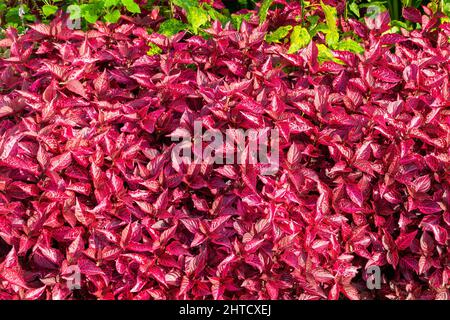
[
  {"x": 89, "y": 11},
  {"x": 265, "y": 5},
  {"x": 197, "y": 17},
  {"x": 350, "y": 45},
  {"x": 112, "y": 17},
  {"x": 299, "y": 39},
  {"x": 325, "y": 54},
  {"x": 446, "y": 7},
  {"x": 154, "y": 49},
  {"x": 236, "y": 19},
  {"x": 332, "y": 34},
  {"x": 278, "y": 35},
  {"x": 16, "y": 17},
  {"x": 171, "y": 27},
  {"x": 131, "y": 6},
  {"x": 48, "y": 9}
]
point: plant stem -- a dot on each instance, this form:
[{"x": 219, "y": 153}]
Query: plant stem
[{"x": 303, "y": 11}]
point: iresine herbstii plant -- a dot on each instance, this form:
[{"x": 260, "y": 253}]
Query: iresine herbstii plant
[
  {"x": 110, "y": 187},
  {"x": 261, "y": 148}
]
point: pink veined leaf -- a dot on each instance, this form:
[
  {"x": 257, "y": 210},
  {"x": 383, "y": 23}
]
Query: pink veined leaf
[
  {"x": 218, "y": 222},
  {"x": 440, "y": 233},
  {"x": 42, "y": 28},
  {"x": 253, "y": 245},
  {"x": 412, "y": 14},
  {"x": 294, "y": 155},
  {"x": 422, "y": 184},
  {"x": 158, "y": 274},
  {"x": 162, "y": 201},
  {"x": 14, "y": 276},
  {"x": 355, "y": 194},
  {"x": 322, "y": 275},
  {"x": 217, "y": 289},
  {"x": 101, "y": 84},
  {"x": 404, "y": 240},
  {"x": 200, "y": 204},
  {"x": 386, "y": 75},
  {"x": 60, "y": 162},
  {"x": 88, "y": 178},
  {"x": 57, "y": 70},
  {"x": 34, "y": 294},
  {"x": 11, "y": 271},
  {"x": 195, "y": 265},
  {"x": 89, "y": 267},
  {"x": 76, "y": 87},
  {"x": 429, "y": 207},
  {"x": 350, "y": 292},
  {"x": 426, "y": 242}
]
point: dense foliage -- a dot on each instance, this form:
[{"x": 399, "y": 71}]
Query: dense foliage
[{"x": 86, "y": 177}]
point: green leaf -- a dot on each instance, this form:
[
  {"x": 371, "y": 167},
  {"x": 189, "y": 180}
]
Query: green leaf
[
  {"x": 186, "y": 4},
  {"x": 264, "y": 9},
  {"x": 12, "y": 16},
  {"x": 446, "y": 9},
  {"x": 350, "y": 45},
  {"x": 29, "y": 17},
  {"x": 90, "y": 17},
  {"x": 321, "y": 27},
  {"x": 131, "y": 6},
  {"x": 243, "y": 3},
  {"x": 112, "y": 17},
  {"x": 171, "y": 27},
  {"x": 48, "y": 10},
  {"x": 236, "y": 19},
  {"x": 89, "y": 12},
  {"x": 154, "y": 49},
  {"x": 330, "y": 16},
  {"x": 197, "y": 17},
  {"x": 354, "y": 8},
  {"x": 313, "y": 20},
  {"x": 110, "y": 3},
  {"x": 325, "y": 54},
  {"x": 278, "y": 34},
  {"x": 400, "y": 24},
  {"x": 216, "y": 15},
  {"x": 299, "y": 39},
  {"x": 332, "y": 38}
]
